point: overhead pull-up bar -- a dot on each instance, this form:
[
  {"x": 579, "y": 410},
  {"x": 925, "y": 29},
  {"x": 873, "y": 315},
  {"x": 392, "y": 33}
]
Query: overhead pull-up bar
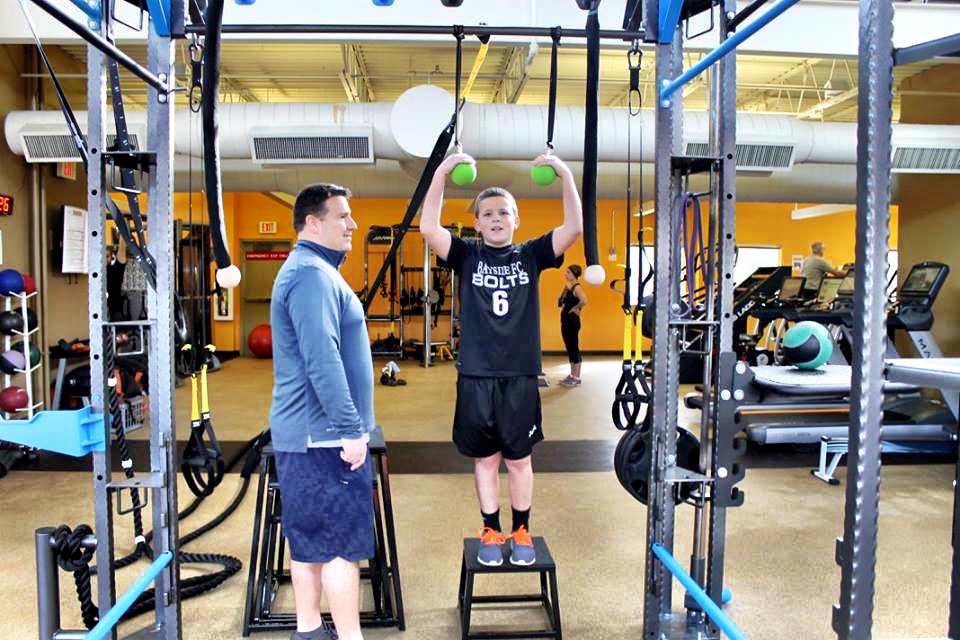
[
  {"x": 728, "y": 45},
  {"x": 413, "y": 29}
]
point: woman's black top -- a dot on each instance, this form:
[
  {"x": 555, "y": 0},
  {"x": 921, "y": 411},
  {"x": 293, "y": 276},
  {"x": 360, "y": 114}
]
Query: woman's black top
[{"x": 568, "y": 300}]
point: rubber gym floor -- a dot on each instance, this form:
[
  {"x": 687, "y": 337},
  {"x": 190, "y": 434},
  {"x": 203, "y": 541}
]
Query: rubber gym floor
[{"x": 780, "y": 544}]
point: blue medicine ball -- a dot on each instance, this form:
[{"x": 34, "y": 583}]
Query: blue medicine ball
[
  {"x": 383, "y": 3},
  {"x": 807, "y": 345},
  {"x": 11, "y": 282}
]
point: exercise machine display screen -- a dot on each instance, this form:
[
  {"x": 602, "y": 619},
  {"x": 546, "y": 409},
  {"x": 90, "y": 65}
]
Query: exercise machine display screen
[
  {"x": 846, "y": 285},
  {"x": 828, "y": 290},
  {"x": 790, "y": 289},
  {"x": 920, "y": 280}
]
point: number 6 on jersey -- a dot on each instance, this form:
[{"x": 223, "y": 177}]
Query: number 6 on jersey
[{"x": 501, "y": 303}]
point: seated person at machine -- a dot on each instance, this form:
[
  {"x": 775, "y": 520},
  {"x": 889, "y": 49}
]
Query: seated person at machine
[{"x": 815, "y": 267}]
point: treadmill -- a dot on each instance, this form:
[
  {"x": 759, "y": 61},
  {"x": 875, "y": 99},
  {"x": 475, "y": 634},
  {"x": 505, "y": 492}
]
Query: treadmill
[{"x": 786, "y": 405}]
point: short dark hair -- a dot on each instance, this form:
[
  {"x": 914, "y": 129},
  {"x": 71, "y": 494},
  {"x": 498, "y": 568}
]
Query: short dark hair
[
  {"x": 312, "y": 201},
  {"x": 493, "y": 192},
  {"x": 576, "y": 270}
]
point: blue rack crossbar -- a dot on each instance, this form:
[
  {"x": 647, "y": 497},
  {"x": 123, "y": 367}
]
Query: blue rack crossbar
[
  {"x": 73, "y": 433},
  {"x": 949, "y": 46},
  {"x": 107, "y": 622},
  {"x": 721, "y": 619},
  {"x": 728, "y": 45}
]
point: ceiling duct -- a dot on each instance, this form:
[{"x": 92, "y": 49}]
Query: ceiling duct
[
  {"x": 46, "y": 143},
  {"x": 778, "y": 156},
  {"x": 925, "y": 160},
  {"x": 754, "y": 157},
  {"x": 312, "y": 145}
]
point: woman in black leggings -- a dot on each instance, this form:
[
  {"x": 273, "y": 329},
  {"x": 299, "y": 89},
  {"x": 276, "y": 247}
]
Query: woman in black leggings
[{"x": 571, "y": 302}]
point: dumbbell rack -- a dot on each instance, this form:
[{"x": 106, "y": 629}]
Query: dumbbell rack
[{"x": 19, "y": 303}]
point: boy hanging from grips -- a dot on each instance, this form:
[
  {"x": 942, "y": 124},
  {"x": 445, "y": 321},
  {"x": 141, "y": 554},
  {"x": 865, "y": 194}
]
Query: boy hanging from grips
[{"x": 498, "y": 413}]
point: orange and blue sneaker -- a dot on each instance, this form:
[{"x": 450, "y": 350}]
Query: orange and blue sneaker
[
  {"x": 490, "y": 554},
  {"x": 521, "y": 547}
]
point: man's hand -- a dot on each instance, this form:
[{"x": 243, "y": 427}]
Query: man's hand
[
  {"x": 558, "y": 165},
  {"x": 452, "y": 161},
  {"x": 354, "y": 452}
]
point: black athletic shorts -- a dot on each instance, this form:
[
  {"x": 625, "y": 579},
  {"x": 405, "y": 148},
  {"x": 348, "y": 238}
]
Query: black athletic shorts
[{"x": 497, "y": 415}]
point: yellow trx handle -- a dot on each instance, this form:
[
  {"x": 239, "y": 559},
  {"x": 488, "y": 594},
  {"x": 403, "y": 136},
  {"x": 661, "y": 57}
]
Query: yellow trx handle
[
  {"x": 194, "y": 409},
  {"x": 204, "y": 397},
  {"x": 481, "y": 56},
  {"x": 639, "y": 344},
  {"x": 627, "y": 334}
]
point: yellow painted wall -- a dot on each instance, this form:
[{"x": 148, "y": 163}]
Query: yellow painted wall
[
  {"x": 757, "y": 224},
  {"x": 930, "y": 204}
]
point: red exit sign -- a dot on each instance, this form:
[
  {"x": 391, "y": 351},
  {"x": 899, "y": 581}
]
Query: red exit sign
[
  {"x": 268, "y": 227},
  {"x": 6, "y": 205}
]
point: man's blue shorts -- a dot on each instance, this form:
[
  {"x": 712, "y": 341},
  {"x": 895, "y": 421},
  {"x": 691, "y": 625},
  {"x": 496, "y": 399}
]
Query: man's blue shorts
[{"x": 327, "y": 509}]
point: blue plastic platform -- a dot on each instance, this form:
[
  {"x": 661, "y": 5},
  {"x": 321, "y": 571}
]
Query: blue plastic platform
[{"x": 73, "y": 433}]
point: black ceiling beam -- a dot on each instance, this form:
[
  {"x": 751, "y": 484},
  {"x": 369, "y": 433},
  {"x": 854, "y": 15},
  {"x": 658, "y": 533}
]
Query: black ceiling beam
[{"x": 399, "y": 29}]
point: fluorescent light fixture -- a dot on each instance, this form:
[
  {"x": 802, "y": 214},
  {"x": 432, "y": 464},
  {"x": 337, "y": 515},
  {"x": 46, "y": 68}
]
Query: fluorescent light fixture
[{"x": 821, "y": 210}]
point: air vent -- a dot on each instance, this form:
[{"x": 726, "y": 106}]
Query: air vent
[
  {"x": 926, "y": 160},
  {"x": 312, "y": 145},
  {"x": 60, "y": 147},
  {"x": 753, "y": 157}
]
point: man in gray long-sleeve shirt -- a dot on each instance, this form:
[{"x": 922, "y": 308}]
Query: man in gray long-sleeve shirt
[{"x": 321, "y": 415}]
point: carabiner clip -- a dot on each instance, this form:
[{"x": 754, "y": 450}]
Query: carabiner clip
[{"x": 196, "y": 76}]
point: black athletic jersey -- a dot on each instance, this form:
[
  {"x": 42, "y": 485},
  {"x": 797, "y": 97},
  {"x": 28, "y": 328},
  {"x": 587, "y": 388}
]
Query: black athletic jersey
[{"x": 500, "y": 305}]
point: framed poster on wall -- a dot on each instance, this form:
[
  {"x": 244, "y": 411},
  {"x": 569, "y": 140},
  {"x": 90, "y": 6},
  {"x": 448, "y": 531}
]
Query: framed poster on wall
[{"x": 223, "y": 305}]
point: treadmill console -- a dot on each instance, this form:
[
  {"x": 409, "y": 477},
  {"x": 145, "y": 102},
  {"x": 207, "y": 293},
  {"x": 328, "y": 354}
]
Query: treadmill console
[
  {"x": 791, "y": 289},
  {"x": 914, "y": 310},
  {"x": 827, "y": 293},
  {"x": 846, "y": 285},
  {"x": 922, "y": 285}
]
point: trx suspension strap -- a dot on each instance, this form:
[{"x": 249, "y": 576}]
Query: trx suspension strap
[
  {"x": 634, "y": 59},
  {"x": 594, "y": 273},
  {"x": 555, "y": 34},
  {"x": 202, "y": 465},
  {"x": 436, "y": 157},
  {"x": 458, "y": 34},
  {"x": 628, "y": 399}
]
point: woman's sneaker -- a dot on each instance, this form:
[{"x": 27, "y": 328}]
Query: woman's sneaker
[
  {"x": 490, "y": 553},
  {"x": 521, "y": 548},
  {"x": 570, "y": 381}
]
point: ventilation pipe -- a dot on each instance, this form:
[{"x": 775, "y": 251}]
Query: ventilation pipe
[{"x": 379, "y": 147}]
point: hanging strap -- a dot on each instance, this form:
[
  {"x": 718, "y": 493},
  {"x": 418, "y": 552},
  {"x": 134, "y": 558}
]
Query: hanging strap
[
  {"x": 436, "y": 157},
  {"x": 211, "y": 137},
  {"x": 477, "y": 64},
  {"x": 555, "y": 34},
  {"x": 458, "y": 34},
  {"x": 72, "y": 123},
  {"x": 591, "y": 108}
]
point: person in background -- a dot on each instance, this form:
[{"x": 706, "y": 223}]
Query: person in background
[
  {"x": 572, "y": 301},
  {"x": 815, "y": 267}
]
